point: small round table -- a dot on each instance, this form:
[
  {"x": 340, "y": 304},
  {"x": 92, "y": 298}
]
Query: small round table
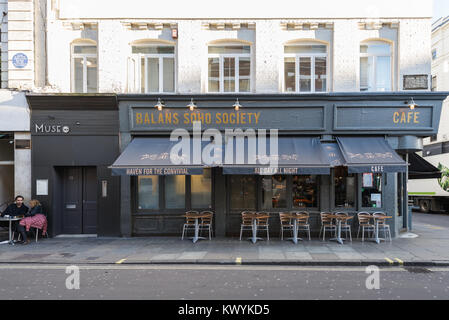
[
  {"x": 254, "y": 218},
  {"x": 10, "y": 219},
  {"x": 197, "y": 227},
  {"x": 339, "y": 219},
  {"x": 295, "y": 219},
  {"x": 376, "y": 226}
]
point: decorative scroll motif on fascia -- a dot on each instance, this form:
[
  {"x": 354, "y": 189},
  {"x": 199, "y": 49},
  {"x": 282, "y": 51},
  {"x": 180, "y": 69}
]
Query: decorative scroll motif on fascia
[
  {"x": 130, "y": 25},
  {"x": 378, "y": 24},
  {"x": 306, "y": 25},
  {"x": 228, "y": 25},
  {"x": 77, "y": 25}
]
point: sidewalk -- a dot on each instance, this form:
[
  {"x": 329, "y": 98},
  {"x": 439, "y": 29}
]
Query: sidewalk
[{"x": 430, "y": 248}]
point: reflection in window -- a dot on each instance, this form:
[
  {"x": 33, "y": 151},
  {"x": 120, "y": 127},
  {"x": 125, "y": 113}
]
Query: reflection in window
[
  {"x": 375, "y": 66},
  {"x": 274, "y": 192},
  {"x": 175, "y": 192},
  {"x": 148, "y": 192},
  {"x": 372, "y": 190},
  {"x": 229, "y": 68},
  {"x": 202, "y": 190},
  {"x": 85, "y": 68},
  {"x": 305, "y": 68},
  {"x": 345, "y": 188},
  {"x": 243, "y": 192},
  {"x": 156, "y": 72},
  {"x": 305, "y": 191}
]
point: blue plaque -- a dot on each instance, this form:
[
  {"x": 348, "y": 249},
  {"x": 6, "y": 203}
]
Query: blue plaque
[{"x": 20, "y": 60}]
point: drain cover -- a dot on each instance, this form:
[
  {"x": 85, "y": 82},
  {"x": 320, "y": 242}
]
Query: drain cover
[{"x": 408, "y": 235}]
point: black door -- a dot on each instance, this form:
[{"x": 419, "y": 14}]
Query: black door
[{"x": 79, "y": 200}]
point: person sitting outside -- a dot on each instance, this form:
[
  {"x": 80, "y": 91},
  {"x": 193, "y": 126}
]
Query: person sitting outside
[
  {"x": 34, "y": 218},
  {"x": 17, "y": 208}
]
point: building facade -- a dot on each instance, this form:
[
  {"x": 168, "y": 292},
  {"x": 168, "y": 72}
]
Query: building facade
[
  {"x": 318, "y": 74},
  {"x": 17, "y": 76}
]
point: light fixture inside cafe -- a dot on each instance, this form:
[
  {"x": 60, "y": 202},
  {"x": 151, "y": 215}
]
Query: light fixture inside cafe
[
  {"x": 159, "y": 105},
  {"x": 411, "y": 104},
  {"x": 191, "y": 105},
  {"x": 237, "y": 105}
]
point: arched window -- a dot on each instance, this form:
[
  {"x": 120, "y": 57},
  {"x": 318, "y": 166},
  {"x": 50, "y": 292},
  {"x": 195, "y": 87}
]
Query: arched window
[
  {"x": 153, "y": 66},
  {"x": 305, "y": 67},
  {"x": 229, "y": 67},
  {"x": 84, "y": 66},
  {"x": 375, "y": 66}
]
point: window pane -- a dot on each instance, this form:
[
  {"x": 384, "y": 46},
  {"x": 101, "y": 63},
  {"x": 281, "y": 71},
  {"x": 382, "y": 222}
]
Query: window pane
[
  {"x": 305, "y": 78},
  {"x": 148, "y": 191},
  {"x": 243, "y": 192},
  {"x": 202, "y": 190},
  {"x": 372, "y": 190},
  {"x": 305, "y": 191},
  {"x": 153, "y": 74},
  {"x": 244, "y": 74},
  {"x": 91, "y": 74},
  {"x": 229, "y": 74},
  {"x": 78, "y": 76},
  {"x": 229, "y": 49},
  {"x": 377, "y": 48},
  {"x": 320, "y": 74},
  {"x": 214, "y": 74},
  {"x": 345, "y": 188},
  {"x": 289, "y": 74},
  {"x": 383, "y": 74},
  {"x": 85, "y": 49},
  {"x": 153, "y": 49},
  {"x": 175, "y": 192},
  {"x": 169, "y": 75},
  {"x": 305, "y": 49},
  {"x": 142, "y": 75},
  {"x": 274, "y": 192},
  {"x": 366, "y": 74}
]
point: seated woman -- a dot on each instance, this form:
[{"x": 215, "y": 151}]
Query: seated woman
[{"x": 35, "y": 209}]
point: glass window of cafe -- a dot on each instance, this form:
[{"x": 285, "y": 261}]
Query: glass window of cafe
[
  {"x": 345, "y": 188},
  {"x": 276, "y": 192},
  {"x": 174, "y": 192},
  {"x": 372, "y": 190}
]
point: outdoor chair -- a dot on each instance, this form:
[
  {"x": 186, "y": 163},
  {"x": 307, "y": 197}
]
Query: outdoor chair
[
  {"x": 189, "y": 224},
  {"x": 382, "y": 225},
  {"x": 206, "y": 222},
  {"x": 365, "y": 224},
  {"x": 286, "y": 223},
  {"x": 303, "y": 222},
  {"x": 327, "y": 223},
  {"x": 262, "y": 223},
  {"x": 246, "y": 222},
  {"x": 345, "y": 226}
]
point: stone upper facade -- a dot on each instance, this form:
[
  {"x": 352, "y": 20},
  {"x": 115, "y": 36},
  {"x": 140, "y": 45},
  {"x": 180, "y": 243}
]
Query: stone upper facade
[{"x": 267, "y": 28}]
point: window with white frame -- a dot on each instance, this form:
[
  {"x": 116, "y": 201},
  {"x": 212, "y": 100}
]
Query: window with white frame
[
  {"x": 375, "y": 66},
  {"x": 152, "y": 69},
  {"x": 305, "y": 68},
  {"x": 84, "y": 67},
  {"x": 229, "y": 68}
]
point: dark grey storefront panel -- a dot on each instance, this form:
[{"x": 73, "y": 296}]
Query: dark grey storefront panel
[
  {"x": 383, "y": 118},
  {"x": 370, "y": 154},
  {"x": 306, "y": 118}
]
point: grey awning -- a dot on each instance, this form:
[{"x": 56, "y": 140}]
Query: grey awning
[
  {"x": 370, "y": 154},
  {"x": 151, "y": 156},
  {"x": 296, "y": 155},
  {"x": 421, "y": 169}
]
